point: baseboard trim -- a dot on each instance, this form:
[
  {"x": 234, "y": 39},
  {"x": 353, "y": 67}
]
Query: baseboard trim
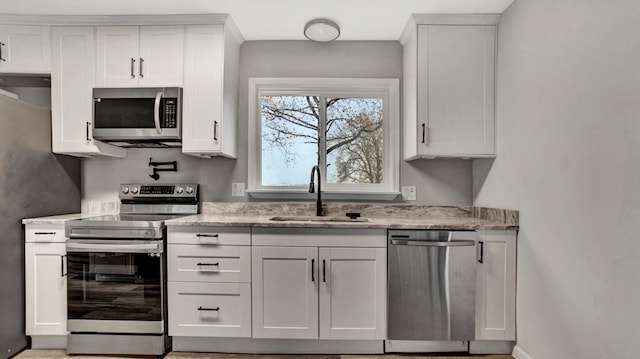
[
  {"x": 48, "y": 342},
  {"x": 277, "y": 346},
  {"x": 520, "y": 353}
]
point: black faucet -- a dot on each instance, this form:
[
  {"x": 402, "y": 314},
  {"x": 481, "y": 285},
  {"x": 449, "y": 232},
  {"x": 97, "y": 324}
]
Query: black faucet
[{"x": 311, "y": 189}]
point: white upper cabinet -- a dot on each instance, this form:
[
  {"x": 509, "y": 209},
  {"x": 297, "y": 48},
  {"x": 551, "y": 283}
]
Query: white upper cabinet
[
  {"x": 140, "y": 56},
  {"x": 25, "y": 49},
  {"x": 210, "y": 105},
  {"x": 449, "y": 86},
  {"x": 72, "y": 80}
]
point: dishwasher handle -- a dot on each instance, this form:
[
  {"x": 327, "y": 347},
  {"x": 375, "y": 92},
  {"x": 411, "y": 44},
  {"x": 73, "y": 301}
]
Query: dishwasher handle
[{"x": 454, "y": 243}]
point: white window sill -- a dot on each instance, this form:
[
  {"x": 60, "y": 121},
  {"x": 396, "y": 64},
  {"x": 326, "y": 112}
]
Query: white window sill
[{"x": 329, "y": 195}]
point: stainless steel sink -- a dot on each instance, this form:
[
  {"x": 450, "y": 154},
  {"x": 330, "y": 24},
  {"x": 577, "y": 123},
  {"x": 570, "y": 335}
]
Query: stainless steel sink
[{"x": 317, "y": 219}]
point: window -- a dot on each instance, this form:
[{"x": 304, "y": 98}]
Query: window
[{"x": 348, "y": 127}]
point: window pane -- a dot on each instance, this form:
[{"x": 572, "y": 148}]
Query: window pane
[
  {"x": 289, "y": 139},
  {"x": 354, "y": 140}
]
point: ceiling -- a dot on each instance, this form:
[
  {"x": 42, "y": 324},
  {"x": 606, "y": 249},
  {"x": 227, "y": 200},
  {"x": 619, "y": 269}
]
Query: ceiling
[{"x": 274, "y": 19}]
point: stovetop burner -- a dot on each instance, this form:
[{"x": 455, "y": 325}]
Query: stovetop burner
[{"x": 143, "y": 210}]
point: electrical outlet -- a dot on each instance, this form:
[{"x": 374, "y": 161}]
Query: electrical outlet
[
  {"x": 237, "y": 189},
  {"x": 408, "y": 193}
]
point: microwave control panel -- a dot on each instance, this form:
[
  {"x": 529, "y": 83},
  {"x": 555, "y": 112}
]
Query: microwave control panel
[{"x": 170, "y": 107}]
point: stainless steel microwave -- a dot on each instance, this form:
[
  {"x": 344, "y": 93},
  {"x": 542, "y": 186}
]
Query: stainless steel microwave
[{"x": 137, "y": 115}]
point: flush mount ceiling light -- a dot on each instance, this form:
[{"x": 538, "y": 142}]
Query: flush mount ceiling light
[{"x": 321, "y": 30}]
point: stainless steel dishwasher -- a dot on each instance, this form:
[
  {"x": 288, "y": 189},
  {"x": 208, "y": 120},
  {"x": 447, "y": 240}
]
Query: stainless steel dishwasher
[{"x": 431, "y": 296}]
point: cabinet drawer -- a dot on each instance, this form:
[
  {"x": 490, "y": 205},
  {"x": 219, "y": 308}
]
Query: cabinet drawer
[
  {"x": 210, "y": 235},
  {"x": 200, "y": 263},
  {"x": 209, "y": 309},
  {"x": 50, "y": 234}
]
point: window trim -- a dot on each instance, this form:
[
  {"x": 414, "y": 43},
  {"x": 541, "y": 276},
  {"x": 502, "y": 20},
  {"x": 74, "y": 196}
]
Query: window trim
[{"x": 386, "y": 88}]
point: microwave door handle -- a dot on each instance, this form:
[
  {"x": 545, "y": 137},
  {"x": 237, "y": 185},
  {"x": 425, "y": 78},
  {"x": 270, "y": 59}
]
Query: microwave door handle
[{"x": 156, "y": 112}]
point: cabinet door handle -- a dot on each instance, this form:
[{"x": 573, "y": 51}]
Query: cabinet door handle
[
  {"x": 324, "y": 273},
  {"x": 44, "y": 233},
  {"x": 141, "y": 74},
  {"x": 216, "y": 309},
  {"x": 481, "y": 257},
  {"x": 133, "y": 64},
  {"x": 88, "y": 126},
  {"x": 313, "y": 264},
  {"x": 62, "y": 266},
  {"x": 1, "y": 46},
  {"x": 215, "y": 130},
  {"x": 424, "y": 133}
]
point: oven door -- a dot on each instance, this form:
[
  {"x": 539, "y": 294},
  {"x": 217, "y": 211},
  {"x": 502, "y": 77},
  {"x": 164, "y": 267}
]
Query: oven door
[{"x": 115, "y": 286}]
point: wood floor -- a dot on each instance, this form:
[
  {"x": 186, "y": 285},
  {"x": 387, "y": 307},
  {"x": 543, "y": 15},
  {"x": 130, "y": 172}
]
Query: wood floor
[{"x": 61, "y": 354}]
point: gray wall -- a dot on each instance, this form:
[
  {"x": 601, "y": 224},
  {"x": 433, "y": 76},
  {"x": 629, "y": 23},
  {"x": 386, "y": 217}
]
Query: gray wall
[
  {"x": 568, "y": 113},
  {"x": 442, "y": 182}
]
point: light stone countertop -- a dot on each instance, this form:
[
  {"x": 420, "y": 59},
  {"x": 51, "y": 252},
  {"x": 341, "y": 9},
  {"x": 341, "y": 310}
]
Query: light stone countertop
[
  {"x": 59, "y": 219},
  {"x": 451, "y": 223},
  {"x": 392, "y": 216}
]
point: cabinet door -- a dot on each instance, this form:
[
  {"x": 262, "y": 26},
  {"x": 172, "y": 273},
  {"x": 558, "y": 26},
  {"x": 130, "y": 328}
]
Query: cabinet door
[
  {"x": 161, "y": 59},
  {"x": 25, "y": 49},
  {"x": 203, "y": 81},
  {"x": 496, "y": 286},
  {"x": 285, "y": 292},
  {"x": 72, "y": 80},
  {"x": 456, "y": 90},
  {"x": 117, "y": 56},
  {"x": 46, "y": 289},
  {"x": 353, "y": 295}
]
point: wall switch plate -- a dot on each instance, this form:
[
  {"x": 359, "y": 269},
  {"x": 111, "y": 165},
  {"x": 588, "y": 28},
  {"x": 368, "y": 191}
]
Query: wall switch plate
[
  {"x": 237, "y": 189},
  {"x": 408, "y": 193}
]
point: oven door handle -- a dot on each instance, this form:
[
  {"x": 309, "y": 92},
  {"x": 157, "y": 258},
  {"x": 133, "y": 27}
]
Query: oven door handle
[{"x": 114, "y": 248}]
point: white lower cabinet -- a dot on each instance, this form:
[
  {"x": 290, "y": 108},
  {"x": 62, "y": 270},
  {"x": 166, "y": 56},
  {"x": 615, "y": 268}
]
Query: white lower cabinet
[
  {"x": 285, "y": 292},
  {"x": 496, "y": 286},
  {"x": 353, "y": 293},
  {"x": 209, "y": 288},
  {"x": 304, "y": 290},
  {"x": 45, "y": 281},
  {"x": 210, "y": 309}
]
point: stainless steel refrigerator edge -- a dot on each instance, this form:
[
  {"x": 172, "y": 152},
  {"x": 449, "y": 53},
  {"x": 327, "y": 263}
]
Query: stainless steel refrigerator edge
[{"x": 33, "y": 182}]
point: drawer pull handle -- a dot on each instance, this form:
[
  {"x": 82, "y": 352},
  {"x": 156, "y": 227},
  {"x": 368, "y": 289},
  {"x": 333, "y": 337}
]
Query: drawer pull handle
[
  {"x": 208, "y": 264},
  {"x": 44, "y": 233},
  {"x": 207, "y": 235},
  {"x": 216, "y": 309}
]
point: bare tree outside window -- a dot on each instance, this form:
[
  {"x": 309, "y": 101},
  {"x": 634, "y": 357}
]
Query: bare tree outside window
[{"x": 353, "y": 138}]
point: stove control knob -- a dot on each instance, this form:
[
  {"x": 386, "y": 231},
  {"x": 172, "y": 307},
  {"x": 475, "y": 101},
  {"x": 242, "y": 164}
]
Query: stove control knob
[
  {"x": 179, "y": 190},
  {"x": 134, "y": 190},
  {"x": 125, "y": 189},
  {"x": 189, "y": 190}
]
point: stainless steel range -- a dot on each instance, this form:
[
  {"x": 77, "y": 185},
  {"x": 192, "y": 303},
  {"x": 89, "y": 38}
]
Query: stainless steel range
[{"x": 116, "y": 272}]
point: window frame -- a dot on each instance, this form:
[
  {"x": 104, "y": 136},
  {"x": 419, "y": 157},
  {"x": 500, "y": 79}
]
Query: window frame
[{"x": 386, "y": 88}]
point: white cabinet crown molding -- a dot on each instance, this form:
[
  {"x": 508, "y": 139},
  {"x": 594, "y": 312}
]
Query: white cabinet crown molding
[{"x": 105, "y": 20}]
